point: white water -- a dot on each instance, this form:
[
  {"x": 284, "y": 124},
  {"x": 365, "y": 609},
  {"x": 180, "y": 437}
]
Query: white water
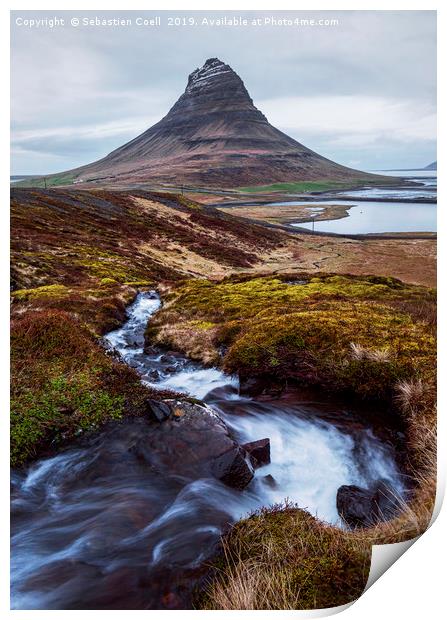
[
  {"x": 94, "y": 527},
  {"x": 311, "y": 458}
]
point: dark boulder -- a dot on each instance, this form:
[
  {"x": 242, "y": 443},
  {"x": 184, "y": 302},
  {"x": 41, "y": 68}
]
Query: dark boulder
[
  {"x": 269, "y": 481},
  {"x": 259, "y": 386},
  {"x": 157, "y": 410},
  {"x": 360, "y": 507},
  {"x": 250, "y": 386},
  {"x": 258, "y": 451},
  {"x": 194, "y": 442},
  {"x": 354, "y": 505},
  {"x": 233, "y": 468},
  {"x": 150, "y": 349}
]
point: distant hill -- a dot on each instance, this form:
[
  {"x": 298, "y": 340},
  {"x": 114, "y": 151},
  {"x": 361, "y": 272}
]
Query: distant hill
[
  {"x": 213, "y": 136},
  {"x": 432, "y": 166}
]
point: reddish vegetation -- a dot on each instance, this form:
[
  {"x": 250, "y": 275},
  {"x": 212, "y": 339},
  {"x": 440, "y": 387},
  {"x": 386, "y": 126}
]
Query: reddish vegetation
[{"x": 74, "y": 236}]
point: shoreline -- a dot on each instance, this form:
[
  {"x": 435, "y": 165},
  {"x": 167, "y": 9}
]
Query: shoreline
[{"x": 429, "y": 235}]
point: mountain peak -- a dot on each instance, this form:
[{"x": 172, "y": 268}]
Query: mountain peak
[
  {"x": 212, "y": 72},
  {"x": 214, "y": 88},
  {"x": 213, "y": 136}
]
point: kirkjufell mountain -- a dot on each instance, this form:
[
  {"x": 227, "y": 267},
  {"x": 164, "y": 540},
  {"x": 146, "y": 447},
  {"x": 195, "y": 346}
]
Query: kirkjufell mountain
[{"x": 213, "y": 136}]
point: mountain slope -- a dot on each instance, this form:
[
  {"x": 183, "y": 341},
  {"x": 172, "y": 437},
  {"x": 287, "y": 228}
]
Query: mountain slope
[{"x": 213, "y": 136}]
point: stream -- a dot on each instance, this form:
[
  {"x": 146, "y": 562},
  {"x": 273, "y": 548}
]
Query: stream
[{"x": 95, "y": 528}]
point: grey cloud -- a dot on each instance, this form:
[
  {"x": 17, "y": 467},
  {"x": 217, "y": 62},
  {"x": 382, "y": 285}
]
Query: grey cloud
[{"x": 80, "y": 77}]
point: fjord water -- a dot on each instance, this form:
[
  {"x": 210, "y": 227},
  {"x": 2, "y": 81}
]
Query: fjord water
[
  {"x": 94, "y": 529},
  {"x": 381, "y": 209},
  {"x": 369, "y": 217}
]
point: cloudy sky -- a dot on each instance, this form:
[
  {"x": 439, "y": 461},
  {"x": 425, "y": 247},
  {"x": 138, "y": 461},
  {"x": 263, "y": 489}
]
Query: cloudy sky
[{"x": 362, "y": 92}]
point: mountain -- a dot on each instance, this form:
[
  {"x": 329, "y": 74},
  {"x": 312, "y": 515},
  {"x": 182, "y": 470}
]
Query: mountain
[
  {"x": 213, "y": 136},
  {"x": 432, "y": 166}
]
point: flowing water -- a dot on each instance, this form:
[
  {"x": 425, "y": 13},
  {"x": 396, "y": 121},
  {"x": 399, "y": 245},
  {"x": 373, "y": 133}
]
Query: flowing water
[{"x": 95, "y": 527}]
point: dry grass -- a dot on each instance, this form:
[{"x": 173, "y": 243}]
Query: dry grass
[
  {"x": 193, "y": 340},
  {"x": 301, "y": 563},
  {"x": 360, "y": 353},
  {"x": 409, "y": 394},
  {"x": 283, "y": 558}
]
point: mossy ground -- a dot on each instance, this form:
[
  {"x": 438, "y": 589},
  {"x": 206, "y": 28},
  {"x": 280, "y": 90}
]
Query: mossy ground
[
  {"x": 78, "y": 258},
  {"x": 63, "y": 384},
  {"x": 283, "y": 558},
  {"x": 360, "y": 335},
  {"x": 370, "y": 337}
]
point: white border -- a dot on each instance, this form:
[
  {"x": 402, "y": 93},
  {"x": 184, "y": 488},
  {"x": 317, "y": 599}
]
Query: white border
[{"x": 413, "y": 587}]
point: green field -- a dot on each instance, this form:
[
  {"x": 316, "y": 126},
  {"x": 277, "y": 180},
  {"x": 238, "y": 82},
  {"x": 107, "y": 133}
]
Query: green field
[
  {"x": 307, "y": 186},
  {"x": 49, "y": 181}
]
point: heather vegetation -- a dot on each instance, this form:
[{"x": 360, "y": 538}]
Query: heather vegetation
[
  {"x": 64, "y": 384},
  {"x": 79, "y": 258},
  {"x": 369, "y": 338}
]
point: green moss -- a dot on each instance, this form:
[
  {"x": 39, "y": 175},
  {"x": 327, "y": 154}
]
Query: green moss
[
  {"x": 297, "y": 563},
  {"x": 107, "y": 282},
  {"x": 202, "y": 324},
  {"x": 65, "y": 406},
  {"x": 137, "y": 283},
  {"x": 231, "y": 299},
  {"x": 64, "y": 383},
  {"x": 315, "y": 347},
  {"x": 41, "y": 292},
  {"x": 355, "y": 334}
]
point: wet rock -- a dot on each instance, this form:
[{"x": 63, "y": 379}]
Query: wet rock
[
  {"x": 257, "y": 386},
  {"x": 270, "y": 481},
  {"x": 355, "y": 505},
  {"x": 158, "y": 410},
  {"x": 154, "y": 374},
  {"x": 194, "y": 442},
  {"x": 360, "y": 507},
  {"x": 150, "y": 349},
  {"x": 233, "y": 468},
  {"x": 167, "y": 359},
  {"x": 258, "y": 452},
  {"x": 221, "y": 393}
]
